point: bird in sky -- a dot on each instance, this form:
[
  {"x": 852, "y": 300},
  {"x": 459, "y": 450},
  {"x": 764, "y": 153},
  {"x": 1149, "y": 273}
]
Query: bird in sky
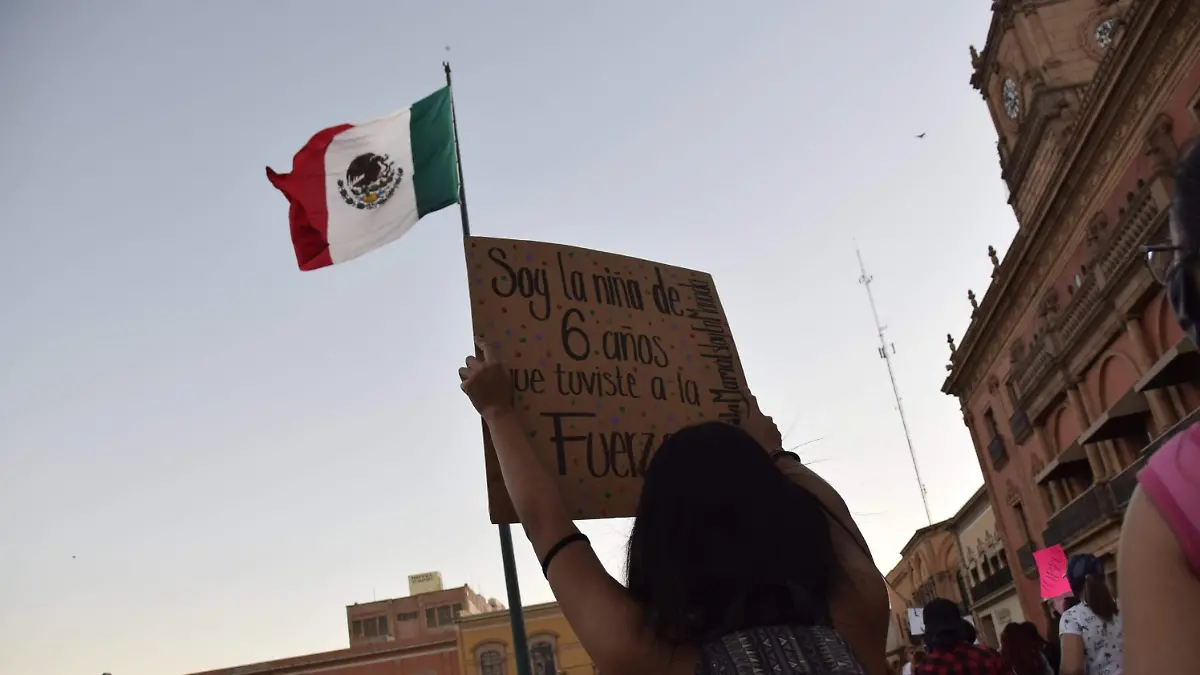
[{"x": 921, "y": 135}]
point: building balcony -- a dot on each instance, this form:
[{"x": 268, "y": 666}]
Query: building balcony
[
  {"x": 1124, "y": 419},
  {"x": 1019, "y": 425},
  {"x": 1072, "y": 461},
  {"x": 1124, "y": 483},
  {"x": 997, "y": 452},
  {"x": 991, "y": 585},
  {"x": 1178, "y": 365},
  {"x": 1141, "y": 218},
  {"x": 1119, "y": 252},
  {"x": 926, "y": 592},
  {"x": 1038, "y": 363},
  {"x": 1025, "y": 557},
  {"x": 1087, "y": 511}
]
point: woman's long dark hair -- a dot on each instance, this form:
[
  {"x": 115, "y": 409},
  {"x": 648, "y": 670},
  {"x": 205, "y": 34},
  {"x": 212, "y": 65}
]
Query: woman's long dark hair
[
  {"x": 1022, "y": 649},
  {"x": 1098, "y": 598},
  {"x": 723, "y": 540}
]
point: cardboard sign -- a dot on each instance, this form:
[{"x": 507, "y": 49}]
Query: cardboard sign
[
  {"x": 1052, "y": 571},
  {"x": 608, "y": 356},
  {"x": 916, "y": 621}
]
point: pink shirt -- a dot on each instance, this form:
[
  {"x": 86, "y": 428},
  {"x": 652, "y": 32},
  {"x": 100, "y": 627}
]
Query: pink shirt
[{"x": 1171, "y": 479}]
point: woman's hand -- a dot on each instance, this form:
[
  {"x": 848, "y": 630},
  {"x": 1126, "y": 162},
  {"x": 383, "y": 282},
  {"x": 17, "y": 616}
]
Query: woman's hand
[
  {"x": 761, "y": 427},
  {"x": 486, "y": 382}
]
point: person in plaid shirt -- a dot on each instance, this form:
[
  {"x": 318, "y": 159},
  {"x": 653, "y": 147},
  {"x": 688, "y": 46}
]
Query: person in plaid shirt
[{"x": 949, "y": 647}]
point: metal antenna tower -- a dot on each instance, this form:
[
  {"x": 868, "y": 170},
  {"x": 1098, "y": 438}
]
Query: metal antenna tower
[{"x": 884, "y": 354}]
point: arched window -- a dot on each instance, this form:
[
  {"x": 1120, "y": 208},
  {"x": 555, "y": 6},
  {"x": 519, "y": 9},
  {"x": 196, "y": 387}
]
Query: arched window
[
  {"x": 490, "y": 659},
  {"x": 543, "y": 654}
]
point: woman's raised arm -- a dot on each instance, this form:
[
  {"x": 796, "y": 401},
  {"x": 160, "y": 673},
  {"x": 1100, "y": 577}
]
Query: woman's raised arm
[{"x": 600, "y": 610}]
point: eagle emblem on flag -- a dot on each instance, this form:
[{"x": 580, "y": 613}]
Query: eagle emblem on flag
[{"x": 370, "y": 181}]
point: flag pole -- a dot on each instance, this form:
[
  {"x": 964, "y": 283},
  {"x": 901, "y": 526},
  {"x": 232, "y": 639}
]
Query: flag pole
[{"x": 515, "y": 611}]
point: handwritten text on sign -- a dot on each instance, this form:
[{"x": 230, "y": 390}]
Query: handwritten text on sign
[
  {"x": 608, "y": 355},
  {"x": 1052, "y": 571}
]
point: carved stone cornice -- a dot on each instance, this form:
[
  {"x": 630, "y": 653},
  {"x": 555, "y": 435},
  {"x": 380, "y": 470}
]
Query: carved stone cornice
[
  {"x": 985, "y": 63},
  {"x": 1046, "y": 106},
  {"x": 1158, "y": 32}
]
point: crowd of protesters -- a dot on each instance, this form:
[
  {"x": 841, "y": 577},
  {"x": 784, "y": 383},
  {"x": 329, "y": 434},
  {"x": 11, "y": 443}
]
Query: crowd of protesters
[{"x": 1155, "y": 629}]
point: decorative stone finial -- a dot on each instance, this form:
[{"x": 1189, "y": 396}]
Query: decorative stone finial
[
  {"x": 995, "y": 259},
  {"x": 950, "y": 341},
  {"x": 971, "y": 298},
  {"x": 974, "y": 57}
]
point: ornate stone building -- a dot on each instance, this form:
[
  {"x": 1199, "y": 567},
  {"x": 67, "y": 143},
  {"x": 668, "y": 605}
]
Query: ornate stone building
[
  {"x": 1073, "y": 369},
  {"x": 485, "y": 644},
  {"x": 928, "y": 569},
  {"x": 983, "y": 561},
  {"x": 418, "y": 634}
]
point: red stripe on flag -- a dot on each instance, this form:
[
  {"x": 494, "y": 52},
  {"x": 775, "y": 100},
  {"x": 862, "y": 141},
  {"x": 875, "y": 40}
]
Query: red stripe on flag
[{"x": 304, "y": 187}]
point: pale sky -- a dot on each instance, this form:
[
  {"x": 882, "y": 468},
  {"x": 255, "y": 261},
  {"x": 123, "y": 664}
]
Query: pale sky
[{"x": 206, "y": 454}]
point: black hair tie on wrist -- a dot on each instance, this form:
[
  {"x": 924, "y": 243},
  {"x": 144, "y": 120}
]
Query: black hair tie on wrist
[
  {"x": 557, "y": 548},
  {"x": 785, "y": 453}
]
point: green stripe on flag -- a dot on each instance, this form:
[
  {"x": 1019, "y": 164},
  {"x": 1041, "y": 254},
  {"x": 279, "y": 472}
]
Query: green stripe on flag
[{"x": 435, "y": 173}]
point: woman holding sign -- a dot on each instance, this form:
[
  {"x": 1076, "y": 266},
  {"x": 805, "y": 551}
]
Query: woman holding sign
[{"x": 741, "y": 560}]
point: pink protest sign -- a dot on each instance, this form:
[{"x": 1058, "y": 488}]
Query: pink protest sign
[{"x": 1052, "y": 571}]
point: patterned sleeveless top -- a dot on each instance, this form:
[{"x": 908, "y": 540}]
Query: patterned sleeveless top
[{"x": 779, "y": 650}]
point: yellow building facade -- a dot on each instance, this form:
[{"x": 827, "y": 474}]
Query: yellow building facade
[{"x": 485, "y": 644}]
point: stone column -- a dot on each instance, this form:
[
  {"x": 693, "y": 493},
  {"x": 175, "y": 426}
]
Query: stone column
[
  {"x": 1077, "y": 487},
  {"x": 1111, "y": 457},
  {"x": 1079, "y": 406},
  {"x": 1161, "y": 408},
  {"x": 1047, "y": 451},
  {"x": 1057, "y": 497}
]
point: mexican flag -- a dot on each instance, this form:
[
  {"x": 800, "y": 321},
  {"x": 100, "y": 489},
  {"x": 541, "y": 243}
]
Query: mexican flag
[{"x": 356, "y": 187}]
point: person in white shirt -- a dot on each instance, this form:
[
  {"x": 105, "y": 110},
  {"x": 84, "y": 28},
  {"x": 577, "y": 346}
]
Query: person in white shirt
[{"x": 1090, "y": 633}]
